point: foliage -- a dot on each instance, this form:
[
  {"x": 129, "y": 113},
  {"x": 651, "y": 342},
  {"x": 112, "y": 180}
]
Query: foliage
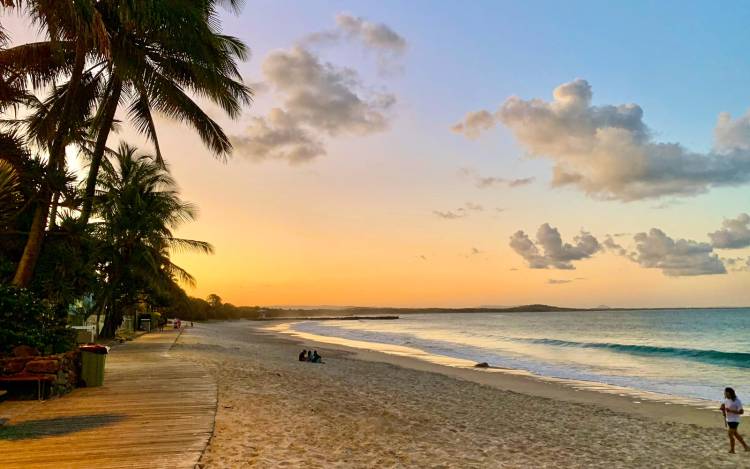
[
  {"x": 99, "y": 56},
  {"x": 9, "y": 192},
  {"x": 28, "y": 320},
  {"x": 139, "y": 206},
  {"x": 80, "y": 310}
]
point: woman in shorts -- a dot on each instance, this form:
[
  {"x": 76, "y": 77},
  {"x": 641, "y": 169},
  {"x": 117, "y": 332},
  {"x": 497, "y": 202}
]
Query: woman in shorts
[{"x": 732, "y": 409}]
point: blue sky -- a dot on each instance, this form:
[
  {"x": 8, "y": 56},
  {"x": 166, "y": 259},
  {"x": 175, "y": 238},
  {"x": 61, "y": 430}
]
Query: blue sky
[{"x": 360, "y": 224}]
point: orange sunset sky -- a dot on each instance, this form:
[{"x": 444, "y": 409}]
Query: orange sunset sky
[{"x": 396, "y": 158}]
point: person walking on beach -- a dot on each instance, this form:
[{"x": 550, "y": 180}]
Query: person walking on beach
[{"x": 732, "y": 409}]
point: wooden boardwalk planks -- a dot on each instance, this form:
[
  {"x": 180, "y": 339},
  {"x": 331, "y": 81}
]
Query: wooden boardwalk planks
[{"x": 153, "y": 411}]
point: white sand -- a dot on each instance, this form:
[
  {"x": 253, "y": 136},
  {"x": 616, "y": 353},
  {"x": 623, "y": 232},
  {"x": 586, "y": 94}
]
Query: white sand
[{"x": 358, "y": 411}]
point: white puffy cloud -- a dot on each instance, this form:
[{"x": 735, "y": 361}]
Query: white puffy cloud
[
  {"x": 374, "y": 35},
  {"x": 474, "y": 124},
  {"x": 734, "y": 233},
  {"x": 732, "y": 135},
  {"x": 323, "y": 96},
  {"x": 316, "y": 98},
  {"x": 675, "y": 258},
  {"x": 277, "y": 136},
  {"x": 608, "y": 151},
  {"x": 550, "y": 251}
]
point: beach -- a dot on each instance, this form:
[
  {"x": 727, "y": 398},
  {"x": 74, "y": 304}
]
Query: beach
[{"x": 369, "y": 409}]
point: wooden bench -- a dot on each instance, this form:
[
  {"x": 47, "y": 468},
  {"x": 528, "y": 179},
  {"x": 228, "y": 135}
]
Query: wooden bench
[{"x": 28, "y": 378}]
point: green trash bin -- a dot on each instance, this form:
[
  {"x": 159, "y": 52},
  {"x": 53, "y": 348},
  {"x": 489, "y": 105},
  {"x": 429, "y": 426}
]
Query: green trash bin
[{"x": 93, "y": 359}]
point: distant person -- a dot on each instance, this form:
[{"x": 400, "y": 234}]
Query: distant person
[
  {"x": 732, "y": 409},
  {"x": 303, "y": 356},
  {"x": 316, "y": 358},
  {"x": 309, "y": 355}
]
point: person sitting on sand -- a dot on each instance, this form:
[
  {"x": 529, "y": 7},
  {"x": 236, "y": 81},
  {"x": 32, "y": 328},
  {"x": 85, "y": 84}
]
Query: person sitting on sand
[
  {"x": 732, "y": 409},
  {"x": 316, "y": 358},
  {"x": 303, "y": 356}
]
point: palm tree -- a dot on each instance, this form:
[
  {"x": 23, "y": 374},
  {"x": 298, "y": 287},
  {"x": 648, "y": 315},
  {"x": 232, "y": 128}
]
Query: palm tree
[
  {"x": 139, "y": 206},
  {"x": 158, "y": 62},
  {"x": 156, "y": 54},
  {"x": 74, "y": 28}
]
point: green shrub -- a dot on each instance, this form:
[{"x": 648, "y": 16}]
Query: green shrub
[{"x": 27, "y": 320}]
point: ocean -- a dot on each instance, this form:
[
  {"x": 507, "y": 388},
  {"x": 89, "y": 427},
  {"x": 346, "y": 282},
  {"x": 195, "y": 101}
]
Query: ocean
[{"x": 683, "y": 353}]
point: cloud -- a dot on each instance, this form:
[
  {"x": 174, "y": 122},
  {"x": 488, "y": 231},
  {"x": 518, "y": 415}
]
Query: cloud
[
  {"x": 316, "y": 98},
  {"x": 450, "y": 215},
  {"x": 656, "y": 250},
  {"x": 484, "y": 182},
  {"x": 554, "y": 281},
  {"x": 734, "y": 234},
  {"x": 324, "y": 96},
  {"x": 460, "y": 212},
  {"x": 277, "y": 136},
  {"x": 474, "y": 124},
  {"x": 549, "y": 250},
  {"x": 737, "y": 264},
  {"x": 611, "y": 245},
  {"x": 520, "y": 182},
  {"x": 387, "y": 44},
  {"x": 732, "y": 135},
  {"x": 377, "y": 36},
  {"x": 608, "y": 151}
]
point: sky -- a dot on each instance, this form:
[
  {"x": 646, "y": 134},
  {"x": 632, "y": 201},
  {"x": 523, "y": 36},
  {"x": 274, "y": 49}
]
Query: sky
[{"x": 476, "y": 153}]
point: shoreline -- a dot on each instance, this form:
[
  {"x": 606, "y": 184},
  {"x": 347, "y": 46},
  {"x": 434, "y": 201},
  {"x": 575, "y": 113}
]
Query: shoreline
[
  {"x": 663, "y": 408},
  {"x": 369, "y": 409}
]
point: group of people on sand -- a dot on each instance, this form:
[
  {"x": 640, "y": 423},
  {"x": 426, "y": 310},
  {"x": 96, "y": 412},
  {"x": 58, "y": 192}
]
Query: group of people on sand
[{"x": 311, "y": 356}]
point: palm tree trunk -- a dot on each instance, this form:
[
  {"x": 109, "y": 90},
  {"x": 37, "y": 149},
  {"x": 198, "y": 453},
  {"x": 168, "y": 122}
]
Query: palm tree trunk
[
  {"x": 25, "y": 268},
  {"x": 100, "y": 146},
  {"x": 53, "y": 210},
  {"x": 112, "y": 320},
  {"x": 30, "y": 256}
]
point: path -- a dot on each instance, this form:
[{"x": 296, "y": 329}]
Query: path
[{"x": 153, "y": 411}]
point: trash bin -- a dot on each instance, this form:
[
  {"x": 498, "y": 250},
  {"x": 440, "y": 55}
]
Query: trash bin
[{"x": 93, "y": 359}]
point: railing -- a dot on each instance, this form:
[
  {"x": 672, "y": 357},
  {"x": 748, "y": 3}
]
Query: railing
[{"x": 91, "y": 329}]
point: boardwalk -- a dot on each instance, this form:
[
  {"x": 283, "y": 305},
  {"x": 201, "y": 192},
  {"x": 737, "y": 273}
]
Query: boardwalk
[{"x": 153, "y": 411}]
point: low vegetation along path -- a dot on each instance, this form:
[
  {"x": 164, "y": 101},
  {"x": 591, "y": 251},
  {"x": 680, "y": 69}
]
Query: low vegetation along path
[{"x": 153, "y": 411}]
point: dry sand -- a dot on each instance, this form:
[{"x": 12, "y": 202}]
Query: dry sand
[{"x": 358, "y": 410}]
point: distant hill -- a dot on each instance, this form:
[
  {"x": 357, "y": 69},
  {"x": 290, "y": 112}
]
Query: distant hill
[{"x": 365, "y": 311}]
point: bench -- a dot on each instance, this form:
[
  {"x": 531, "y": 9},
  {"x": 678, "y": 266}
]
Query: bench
[{"x": 28, "y": 378}]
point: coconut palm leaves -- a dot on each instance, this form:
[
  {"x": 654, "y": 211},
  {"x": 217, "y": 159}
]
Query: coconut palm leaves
[
  {"x": 139, "y": 207},
  {"x": 155, "y": 56},
  {"x": 10, "y": 195}
]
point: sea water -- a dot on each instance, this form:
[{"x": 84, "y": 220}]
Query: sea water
[{"x": 686, "y": 353}]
